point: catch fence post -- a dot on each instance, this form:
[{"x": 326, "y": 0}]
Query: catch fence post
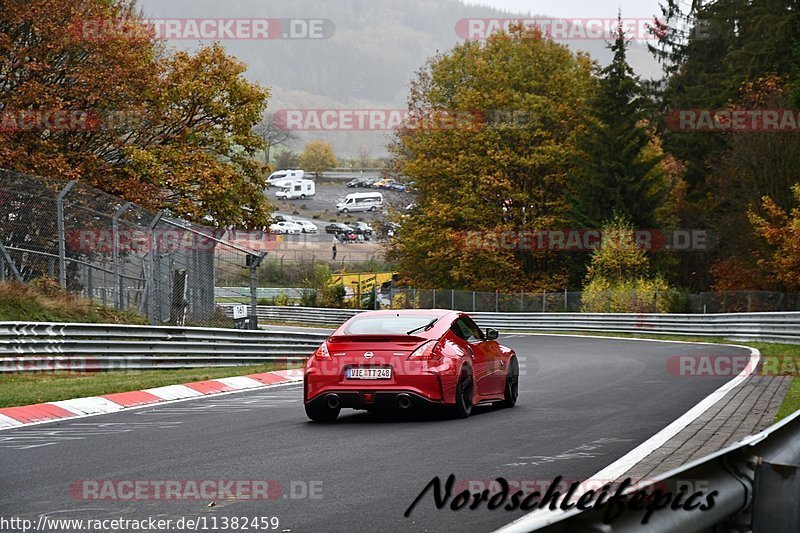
[
  {"x": 62, "y": 244},
  {"x": 118, "y": 283},
  {"x": 151, "y": 282}
]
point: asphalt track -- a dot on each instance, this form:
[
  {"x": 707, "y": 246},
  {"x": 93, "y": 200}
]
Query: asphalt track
[{"x": 584, "y": 403}]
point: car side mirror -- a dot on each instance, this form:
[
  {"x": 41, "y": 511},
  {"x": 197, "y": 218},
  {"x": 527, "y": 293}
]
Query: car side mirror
[{"x": 492, "y": 334}]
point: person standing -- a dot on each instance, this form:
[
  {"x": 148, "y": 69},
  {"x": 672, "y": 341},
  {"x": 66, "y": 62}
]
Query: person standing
[{"x": 334, "y": 250}]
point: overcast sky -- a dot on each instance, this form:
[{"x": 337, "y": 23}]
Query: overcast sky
[{"x": 577, "y": 8}]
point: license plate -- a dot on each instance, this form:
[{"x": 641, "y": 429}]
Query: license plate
[{"x": 369, "y": 373}]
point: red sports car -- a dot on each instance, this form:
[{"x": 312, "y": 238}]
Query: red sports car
[{"x": 402, "y": 358}]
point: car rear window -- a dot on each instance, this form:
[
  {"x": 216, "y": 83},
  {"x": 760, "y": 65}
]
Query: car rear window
[{"x": 380, "y": 325}]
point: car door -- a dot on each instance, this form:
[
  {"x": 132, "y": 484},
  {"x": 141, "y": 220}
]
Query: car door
[
  {"x": 494, "y": 381},
  {"x": 482, "y": 360}
]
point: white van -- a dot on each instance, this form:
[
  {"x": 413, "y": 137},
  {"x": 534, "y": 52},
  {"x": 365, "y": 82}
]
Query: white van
[
  {"x": 283, "y": 175},
  {"x": 360, "y": 201},
  {"x": 296, "y": 189}
]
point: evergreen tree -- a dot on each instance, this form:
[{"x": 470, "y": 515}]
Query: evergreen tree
[{"x": 622, "y": 171}]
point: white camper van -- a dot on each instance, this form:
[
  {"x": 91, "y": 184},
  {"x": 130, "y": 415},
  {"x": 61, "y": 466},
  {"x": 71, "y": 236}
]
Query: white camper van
[
  {"x": 283, "y": 175},
  {"x": 360, "y": 201},
  {"x": 296, "y": 189}
]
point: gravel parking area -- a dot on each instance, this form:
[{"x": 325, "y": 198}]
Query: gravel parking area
[{"x": 328, "y": 194}]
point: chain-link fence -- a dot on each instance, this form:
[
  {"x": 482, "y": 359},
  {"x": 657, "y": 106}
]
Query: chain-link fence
[
  {"x": 119, "y": 254},
  {"x": 392, "y": 297}
]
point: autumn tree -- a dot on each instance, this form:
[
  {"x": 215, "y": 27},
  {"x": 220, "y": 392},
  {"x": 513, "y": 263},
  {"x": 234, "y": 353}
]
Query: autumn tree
[
  {"x": 167, "y": 130},
  {"x": 781, "y": 229},
  {"x": 722, "y": 54},
  {"x": 317, "y": 157},
  {"x": 494, "y": 128},
  {"x": 273, "y": 135},
  {"x": 286, "y": 160}
]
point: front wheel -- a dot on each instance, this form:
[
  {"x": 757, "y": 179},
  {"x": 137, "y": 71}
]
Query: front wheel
[
  {"x": 345, "y": 211},
  {"x": 322, "y": 413},
  {"x": 463, "y": 406},
  {"x": 511, "y": 391}
]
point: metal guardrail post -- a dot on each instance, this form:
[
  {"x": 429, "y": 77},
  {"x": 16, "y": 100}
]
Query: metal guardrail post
[
  {"x": 62, "y": 243},
  {"x": 118, "y": 283}
]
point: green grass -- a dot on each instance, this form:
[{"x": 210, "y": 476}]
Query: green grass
[
  {"x": 791, "y": 402},
  {"x": 26, "y": 389}
]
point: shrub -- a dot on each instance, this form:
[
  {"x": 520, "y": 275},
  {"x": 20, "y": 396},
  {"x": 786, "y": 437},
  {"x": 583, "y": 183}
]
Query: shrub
[
  {"x": 283, "y": 299},
  {"x": 333, "y": 296},
  {"x": 638, "y": 295}
]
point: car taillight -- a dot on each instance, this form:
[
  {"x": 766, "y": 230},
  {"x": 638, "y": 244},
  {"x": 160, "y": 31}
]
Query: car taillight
[
  {"x": 427, "y": 352},
  {"x": 322, "y": 352}
]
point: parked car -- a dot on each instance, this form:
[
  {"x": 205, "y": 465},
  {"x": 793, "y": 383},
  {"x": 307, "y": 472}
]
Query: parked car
[
  {"x": 282, "y": 218},
  {"x": 395, "y": 186},
  {"x": 308, "y": 227},
  {"x": 362, "y": 228},
  {"x": 358, "y": 182},
  {"x": 360, "y": 201},
  {"x": 286, "y": 228},
  {"x": 337, "y": 228},
  {"x": 370, "y": 183},
  {"x": 409, "y": 358},
  {"x": 382, "y": 184}
]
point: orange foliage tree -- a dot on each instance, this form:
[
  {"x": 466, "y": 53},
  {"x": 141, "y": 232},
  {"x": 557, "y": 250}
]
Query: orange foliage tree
[
  {"x": 167, "y": 130},
  {"x": 781, "y": 229}
]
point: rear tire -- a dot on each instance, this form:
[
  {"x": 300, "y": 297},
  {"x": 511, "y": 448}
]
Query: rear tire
[
  {"x": 511, "y": 390},
  {"x": 322, "y": 413},
  {"x": 464, "y": 388}
]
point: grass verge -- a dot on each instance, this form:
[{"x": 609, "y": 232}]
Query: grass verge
[
  {"x": 791, "y": 402},
  {"x": 26, "y": 389},
  {"x": 44, "y": 300}
]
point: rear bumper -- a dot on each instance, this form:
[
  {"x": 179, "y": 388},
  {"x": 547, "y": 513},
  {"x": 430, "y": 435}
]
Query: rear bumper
[
  {"x": 349, "y": 399},
  {"x": 428, "y": 386}
]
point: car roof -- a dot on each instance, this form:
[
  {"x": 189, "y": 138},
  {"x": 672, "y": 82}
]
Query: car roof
[{"x": 435, "y": 312}]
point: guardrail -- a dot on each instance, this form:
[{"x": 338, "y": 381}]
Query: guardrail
[
  {"x": 767, "y": 327},
  {"x": 50, "y": 346},
  {"x": 757, "y": 482},
  {"x": 39, "y": 347},
  {"x": 311, "y": 316}
]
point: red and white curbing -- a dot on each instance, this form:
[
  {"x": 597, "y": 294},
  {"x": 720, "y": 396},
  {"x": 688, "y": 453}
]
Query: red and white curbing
[{"x": 111, "y": 403}]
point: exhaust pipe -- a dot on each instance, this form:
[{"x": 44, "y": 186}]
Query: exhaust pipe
[
  {"x": 404, "y": 401},
  {"x": 332, "y": 401}
]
